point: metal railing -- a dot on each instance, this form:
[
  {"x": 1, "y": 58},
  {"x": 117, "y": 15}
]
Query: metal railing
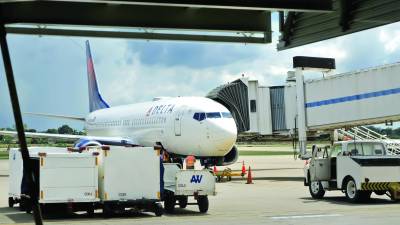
[{"x": 364, "y": 133}]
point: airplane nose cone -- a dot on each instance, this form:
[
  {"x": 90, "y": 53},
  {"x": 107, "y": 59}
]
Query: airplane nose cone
[{"x": 224, "y": 135}]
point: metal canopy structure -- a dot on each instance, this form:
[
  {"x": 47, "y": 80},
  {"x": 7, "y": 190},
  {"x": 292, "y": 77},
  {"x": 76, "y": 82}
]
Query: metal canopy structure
[
  {"x": 96, "y": 19},
  {"x": 348, "y": 16},
  {"x": 245, "y": 21}
]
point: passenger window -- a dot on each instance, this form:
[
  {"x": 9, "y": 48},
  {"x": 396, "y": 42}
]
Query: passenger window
[
  {"x": 354, "y": 149},
  {"x": 378, "y": 149}
]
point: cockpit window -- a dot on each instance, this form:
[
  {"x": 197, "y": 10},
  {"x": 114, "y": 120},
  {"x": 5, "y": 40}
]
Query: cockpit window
[
  {"x": 199, "y": 116},
  {"x": 226, "y": 115},
  {"x": 212, "y": 115}
]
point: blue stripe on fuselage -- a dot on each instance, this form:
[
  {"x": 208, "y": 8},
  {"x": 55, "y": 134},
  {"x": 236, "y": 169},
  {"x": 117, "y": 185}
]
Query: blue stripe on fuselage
[{"x": 353, "y": 97}]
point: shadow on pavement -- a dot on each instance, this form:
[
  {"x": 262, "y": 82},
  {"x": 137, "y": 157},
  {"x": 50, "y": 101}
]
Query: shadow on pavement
[
  {"x": 21, "y": 217},
  {"x": 339, "y": 200},
  {"x": 15, "y": 215},
  {"x": 186, "y": 212}
]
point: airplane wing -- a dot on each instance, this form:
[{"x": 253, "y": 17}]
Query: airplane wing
[
  {"x": 56, "y": 116},
  {"x": 80, "y": 139}
]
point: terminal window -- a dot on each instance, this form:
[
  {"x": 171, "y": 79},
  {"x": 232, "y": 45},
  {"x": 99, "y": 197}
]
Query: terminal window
[{"x": 253, "y": 106}]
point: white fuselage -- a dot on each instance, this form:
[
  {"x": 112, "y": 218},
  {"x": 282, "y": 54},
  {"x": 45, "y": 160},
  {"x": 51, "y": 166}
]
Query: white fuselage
[{"x": 176, "y": 123}]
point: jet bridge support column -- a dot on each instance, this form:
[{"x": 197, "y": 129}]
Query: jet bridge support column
[
  {"x": 301, "y": 63},
  {"x": 301, "y": 112}
]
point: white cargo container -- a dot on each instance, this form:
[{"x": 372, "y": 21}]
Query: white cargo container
[
  {"x": 179, "y": 184},
  {"x": 16, "y": 170},
  {"x": 68, "y": 177},
  {"x": 64, "y": 178},
  {"x": 129, "y": 177}
]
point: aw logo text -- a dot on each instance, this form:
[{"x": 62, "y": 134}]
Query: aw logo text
[{"x": 196, "y": 179}]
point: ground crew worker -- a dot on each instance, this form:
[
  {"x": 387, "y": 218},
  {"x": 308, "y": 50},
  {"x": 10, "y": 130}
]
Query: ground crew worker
[
  {"x": 165, "y": 156},
  {"x": 190, "y": 161}
]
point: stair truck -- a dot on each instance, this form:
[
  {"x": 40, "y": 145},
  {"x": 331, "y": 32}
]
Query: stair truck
[
  {"x": 180, "y": 184},
  {"x": 356, "y": 167}
]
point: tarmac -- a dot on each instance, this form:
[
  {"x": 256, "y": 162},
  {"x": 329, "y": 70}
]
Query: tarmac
[{"x": 277, "y": 196}]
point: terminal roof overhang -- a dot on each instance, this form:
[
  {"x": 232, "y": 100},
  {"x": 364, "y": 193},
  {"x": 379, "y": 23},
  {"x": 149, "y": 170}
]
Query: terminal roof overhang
[{"x": 246, "y": 21}]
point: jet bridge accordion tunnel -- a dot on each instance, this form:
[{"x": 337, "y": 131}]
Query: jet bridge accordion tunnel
[{"x": 256, "y": 109}]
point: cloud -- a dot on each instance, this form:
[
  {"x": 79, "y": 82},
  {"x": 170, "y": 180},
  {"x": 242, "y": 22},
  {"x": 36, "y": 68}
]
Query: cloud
[
  {"x": 390, "y": 39},
  {"x": 51, "y": 71}
]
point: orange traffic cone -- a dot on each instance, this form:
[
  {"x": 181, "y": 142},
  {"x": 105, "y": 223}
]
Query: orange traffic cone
[
  {"x": 249, "y": 177},
  {"x": 243, "y": 169}
]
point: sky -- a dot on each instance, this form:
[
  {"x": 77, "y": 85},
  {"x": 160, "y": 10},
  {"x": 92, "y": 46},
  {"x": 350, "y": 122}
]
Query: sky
[{"x": 50, "y": 72}]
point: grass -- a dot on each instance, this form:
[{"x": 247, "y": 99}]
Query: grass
[
  {"x": 3, "y": 155},
  {"x": 264, "y": 153}
]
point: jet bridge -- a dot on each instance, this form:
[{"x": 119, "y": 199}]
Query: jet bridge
[
  {"x": 351, "y": 99},
  {"x": 362, "y": 97}
]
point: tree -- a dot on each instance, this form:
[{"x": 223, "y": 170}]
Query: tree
[
  {"x": 65, "y": 129},
  {"x": 31, "y": 130},
  {"x": 52, "y": 131}
]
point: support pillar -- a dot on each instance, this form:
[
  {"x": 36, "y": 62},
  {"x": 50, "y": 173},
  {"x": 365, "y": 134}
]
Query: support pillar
[
  {"x": 301, "y": 113},
  {"x": 19, "y": 126}
]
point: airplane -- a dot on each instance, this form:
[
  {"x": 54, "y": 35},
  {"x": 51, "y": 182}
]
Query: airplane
[{"x": 182, "y": 126}]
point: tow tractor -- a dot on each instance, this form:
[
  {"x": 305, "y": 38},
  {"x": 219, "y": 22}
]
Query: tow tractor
[
  {"x": 179, "y": 184},
  {"x": 357, "y": 168}
]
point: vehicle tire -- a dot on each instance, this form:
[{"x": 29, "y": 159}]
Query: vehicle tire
[
  {"x": 202, "y": 201},
  {"x": 352, "y": 194},
  {"x": 183, "y": 201},
  {"x": 158, "y": 210},
  {"x": 11, "y": 202},
  {"x": 169, "y": 202},
  {"x": 316, "y": 190},
  {"x": 107, "y": 210},
  {"x": 90, "y": 211},
  {"x": 380, "y": 192}
]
